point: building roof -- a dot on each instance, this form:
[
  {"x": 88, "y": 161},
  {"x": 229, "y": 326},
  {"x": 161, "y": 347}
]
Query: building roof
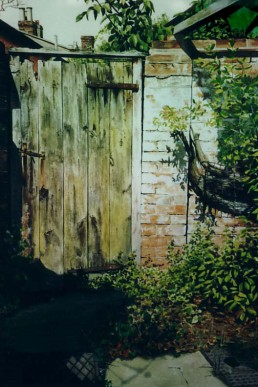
[
  {"x": 47, "y": 44},
  {"x": 21, "y": 39}
]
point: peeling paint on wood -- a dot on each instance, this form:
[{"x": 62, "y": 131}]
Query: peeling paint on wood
[
  {"x": 51, "y": 142},
  {"x": 79, "y": 192},
  {"x": 29, "y": 134},
  {"x": 121, "y": 168},
  {"x": 75, "y": 165}
]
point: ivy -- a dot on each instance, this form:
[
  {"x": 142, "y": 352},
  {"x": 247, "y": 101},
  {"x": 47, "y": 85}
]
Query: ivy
[
  {"x": 233, "y": 97},
  {"x": 231, "y": 91}
]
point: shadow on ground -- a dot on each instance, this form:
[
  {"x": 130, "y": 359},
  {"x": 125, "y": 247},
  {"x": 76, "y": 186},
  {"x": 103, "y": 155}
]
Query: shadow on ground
[{"x": 53, "y": 338}]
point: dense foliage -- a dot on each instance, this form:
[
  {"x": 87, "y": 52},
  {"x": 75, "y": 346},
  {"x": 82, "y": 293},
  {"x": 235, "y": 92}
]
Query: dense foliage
[
  {"x": 128, "y": 24},
  {"x": 231, "y": 91},
  {"x": 224, "y": 276},
  {"x": 238, "y": 24},
  {"x": 233, "y": 97},
  {"x": 168, "y": 307}
]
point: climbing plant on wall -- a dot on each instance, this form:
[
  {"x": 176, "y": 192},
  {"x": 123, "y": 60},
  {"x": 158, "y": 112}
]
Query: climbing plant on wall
[{"x": 232, "y": 186}]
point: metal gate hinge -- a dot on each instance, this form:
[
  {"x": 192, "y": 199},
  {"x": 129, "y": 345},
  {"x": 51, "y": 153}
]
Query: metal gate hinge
[{"x": 134, "y": 87}]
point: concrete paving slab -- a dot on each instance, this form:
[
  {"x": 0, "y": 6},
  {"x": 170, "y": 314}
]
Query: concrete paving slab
[{"x": 188, "y": 370}]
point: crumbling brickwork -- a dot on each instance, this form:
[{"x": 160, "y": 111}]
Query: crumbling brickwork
[{"x": 169, "y": 211}]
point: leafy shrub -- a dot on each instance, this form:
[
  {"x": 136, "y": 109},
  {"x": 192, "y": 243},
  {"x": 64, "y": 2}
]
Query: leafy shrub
[
  {"x": 225, "y": 277},
  {"x": 167, "y": 308},
  {"x": 155, "y": 319}
]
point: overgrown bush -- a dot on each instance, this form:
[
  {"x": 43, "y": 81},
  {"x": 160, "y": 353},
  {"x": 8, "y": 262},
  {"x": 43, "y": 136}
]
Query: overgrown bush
[
  {"x": 156, "y": 316},
  {"x": 223, "y": 277},
  {"x": 166, "y": 307}
]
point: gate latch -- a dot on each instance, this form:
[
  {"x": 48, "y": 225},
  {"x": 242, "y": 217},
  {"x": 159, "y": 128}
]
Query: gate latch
[{"x": 26, "y": 152}]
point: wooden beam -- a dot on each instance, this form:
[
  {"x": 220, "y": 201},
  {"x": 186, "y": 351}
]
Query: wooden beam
[
  {"x": 43, "y": 53},
  {"x": 211, "y": 12},
  {"x": 121, "y": 86},
  {"x": 138, "y": 71},
  {"x": 188, "y": 46}
]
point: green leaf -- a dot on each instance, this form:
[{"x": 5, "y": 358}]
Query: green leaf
[
  {"x": 232, "y": 306},
  {"x": 195, "y": 319},
  {"x": 133, "y": 39},
  {"x": 246, "y": 285},
  {"x": 252, "y": 311},
  {"x": 242, "y": 316},
  {"x": 81, "y": 16}
]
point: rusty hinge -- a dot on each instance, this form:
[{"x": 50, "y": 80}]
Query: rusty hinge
[
  {"x": 134, "y": 87},
  {"x": 26, "y": 152}
]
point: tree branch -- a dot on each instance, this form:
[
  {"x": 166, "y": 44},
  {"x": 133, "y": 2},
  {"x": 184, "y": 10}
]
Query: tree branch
[{"x": 215, "y": 186}]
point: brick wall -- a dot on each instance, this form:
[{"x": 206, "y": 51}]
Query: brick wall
[
  {"x": 167, "y": 211},
  {"x": 168, "y": 79}
]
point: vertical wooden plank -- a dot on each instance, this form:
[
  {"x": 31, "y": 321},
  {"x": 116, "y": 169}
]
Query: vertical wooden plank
[
  {"x": 15, "y": 101},
  {"x": 120, "y": 165},
  {"x": 15, "y": 157},
  {"x": 137, "y": 159},
  {"x": 98, "y": 167},
  {"x": 51, "y": 168},
  {"x": 29, "y": 140},
  {"x": 75, "y": 165}
]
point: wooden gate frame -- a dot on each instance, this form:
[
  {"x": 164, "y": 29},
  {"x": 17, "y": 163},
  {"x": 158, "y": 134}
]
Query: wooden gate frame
[{"x": 137, "y": 130}]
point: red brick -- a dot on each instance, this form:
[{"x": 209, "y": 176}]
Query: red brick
[
  {"x": 180, "y": 210},
  {"x": 164, "y": 209},
  {"x": 224, "y": 43},
  {"x": 161, "y": 252},
  {"x": 155, "y": 219},
  {"x": 165, "y": 44},
  {"x": 156, "y": 241},
  {"x": 148, "y": 252},
  {"x": 148, "y": 229},
  {"x": 252, "y": 42},
  {"x": 149, "y": 209},
  {"x": 203, "y": 43}
]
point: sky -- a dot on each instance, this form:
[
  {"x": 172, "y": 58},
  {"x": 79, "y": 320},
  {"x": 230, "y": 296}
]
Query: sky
[{"x": 58, "y": 17}]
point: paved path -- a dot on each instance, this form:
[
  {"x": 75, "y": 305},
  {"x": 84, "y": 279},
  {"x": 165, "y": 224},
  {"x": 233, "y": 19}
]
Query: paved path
[{"x": 188, "y": 370}]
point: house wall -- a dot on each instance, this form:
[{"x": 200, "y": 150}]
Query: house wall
[{"x": 169, "y": 211}]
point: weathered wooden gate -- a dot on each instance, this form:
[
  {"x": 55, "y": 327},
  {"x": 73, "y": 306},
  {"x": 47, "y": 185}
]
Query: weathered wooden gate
[{"x": 75, "y": 127}]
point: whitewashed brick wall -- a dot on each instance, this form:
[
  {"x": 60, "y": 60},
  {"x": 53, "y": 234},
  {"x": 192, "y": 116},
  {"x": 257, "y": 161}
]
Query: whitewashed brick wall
[
  {"x": 166, "y": 211},
  {"x": 167, "y": 82}
]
